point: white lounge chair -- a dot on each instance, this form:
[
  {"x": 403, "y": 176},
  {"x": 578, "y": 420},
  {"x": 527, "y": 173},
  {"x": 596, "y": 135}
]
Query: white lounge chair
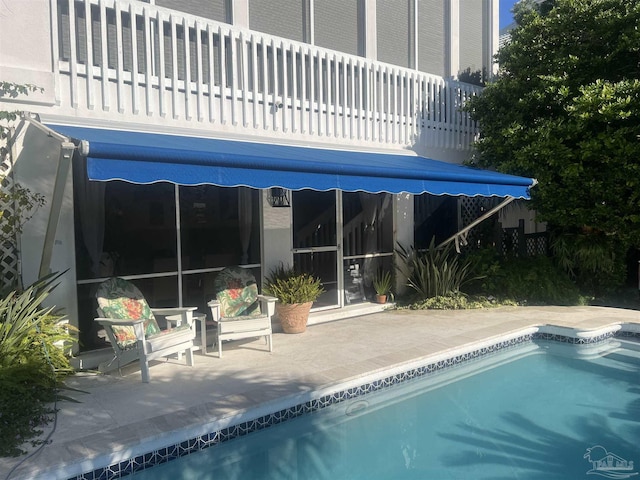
[
  {"x": 131, "y": 327},
  {"x": 239, "y": 311}
]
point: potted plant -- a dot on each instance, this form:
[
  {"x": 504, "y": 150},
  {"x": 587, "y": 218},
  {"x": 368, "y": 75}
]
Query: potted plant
[
  {"x": 382, "y": 284},
  {"x": 295, "y": 292}
]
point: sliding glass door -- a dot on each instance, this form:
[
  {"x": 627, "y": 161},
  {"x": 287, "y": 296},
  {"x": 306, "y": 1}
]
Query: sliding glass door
[
  {"x": 367, "y": 232},
  {"x": 315, "y": 241},
  {"x": 346, "y": 239}
]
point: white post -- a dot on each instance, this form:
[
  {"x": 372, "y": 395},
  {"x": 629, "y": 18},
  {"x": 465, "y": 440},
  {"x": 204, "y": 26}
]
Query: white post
[{"x": 452, "y": 31}]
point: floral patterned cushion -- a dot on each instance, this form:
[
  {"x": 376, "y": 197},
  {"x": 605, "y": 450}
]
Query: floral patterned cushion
[
  {"x": 237, "y": 292},
  {"x": 118, "y": 298}
]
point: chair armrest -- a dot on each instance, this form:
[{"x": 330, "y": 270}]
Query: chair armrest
[
  {"x": 267, "y": 298},
  {"x": 270, "y": 304},
  {"x": 138, "y": 328},
  {"x": 183, "y": 314},
  {"x": 173, "y": 310},
  {"x": 118, "y": 321},
  {"x": 215, "y": 310}
]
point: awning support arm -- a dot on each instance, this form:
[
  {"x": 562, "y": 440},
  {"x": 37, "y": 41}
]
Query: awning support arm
[
  {"x": 460, "y": 237},
  {"x": 64, "y": 166}
]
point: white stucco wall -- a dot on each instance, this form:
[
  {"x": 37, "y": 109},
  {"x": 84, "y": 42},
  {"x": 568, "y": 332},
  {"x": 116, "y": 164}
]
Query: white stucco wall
[{"x": 25, "y": 43}]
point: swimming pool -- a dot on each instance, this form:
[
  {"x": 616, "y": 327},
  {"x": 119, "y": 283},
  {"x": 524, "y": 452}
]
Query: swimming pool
[{"x": 536, "y": 410}]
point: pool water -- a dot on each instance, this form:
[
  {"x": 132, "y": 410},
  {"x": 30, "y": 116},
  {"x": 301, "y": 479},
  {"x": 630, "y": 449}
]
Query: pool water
[{"x": 529, "y": 413}]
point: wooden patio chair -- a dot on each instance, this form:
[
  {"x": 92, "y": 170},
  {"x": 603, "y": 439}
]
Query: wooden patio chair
[
  {"x": 239, "y": 311},
  {"x": 133, "y": 331}
]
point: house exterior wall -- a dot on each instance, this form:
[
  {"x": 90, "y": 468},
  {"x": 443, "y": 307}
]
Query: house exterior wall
[
  {"x": 408, "y": 33},
  {"x": 25, "y": 50},
  {"x": 382, "y": 81}
]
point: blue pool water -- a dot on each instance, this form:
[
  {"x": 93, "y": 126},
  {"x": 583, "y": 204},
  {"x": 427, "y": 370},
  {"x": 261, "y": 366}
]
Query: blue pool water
[{"x": 528, "y": 413}]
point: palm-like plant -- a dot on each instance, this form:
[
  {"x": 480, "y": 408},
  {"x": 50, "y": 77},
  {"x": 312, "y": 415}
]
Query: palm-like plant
[
  {"x": 382, "y": 283},
  {"x": 438, "y": 271},
  {"x": 31, "y": 364}
]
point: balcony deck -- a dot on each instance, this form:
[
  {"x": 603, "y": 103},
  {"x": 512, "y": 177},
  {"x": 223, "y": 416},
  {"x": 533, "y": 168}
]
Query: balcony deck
[{"x": 176, "y": 71}]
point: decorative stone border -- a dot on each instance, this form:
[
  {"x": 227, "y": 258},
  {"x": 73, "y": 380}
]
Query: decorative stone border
[{"x": 201, "y": 442}]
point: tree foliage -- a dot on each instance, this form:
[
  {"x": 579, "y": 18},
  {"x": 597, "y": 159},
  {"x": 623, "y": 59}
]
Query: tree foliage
[
  {"x": 565, "y": 109},
  {"x": 13, "y": 90}
]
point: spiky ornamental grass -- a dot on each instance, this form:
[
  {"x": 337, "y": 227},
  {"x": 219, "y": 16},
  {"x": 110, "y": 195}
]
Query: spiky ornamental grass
[{"x": 31, "y": 365}]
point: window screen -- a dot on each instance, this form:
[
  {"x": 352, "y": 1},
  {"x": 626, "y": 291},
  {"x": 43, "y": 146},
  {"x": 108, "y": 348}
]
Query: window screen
[
  {"x": 395, "y": 31},
  {"x": 431, "y": 36},
  {"x": 471, "y": 37},
  {"x": 283, "y": 18},
  {"x": 336, "y": 25},
  {"x": 212, "y": 9}
]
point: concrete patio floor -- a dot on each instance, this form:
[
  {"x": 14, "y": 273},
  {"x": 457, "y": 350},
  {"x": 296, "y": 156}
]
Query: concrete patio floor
[{"x": 120, "y": 417}]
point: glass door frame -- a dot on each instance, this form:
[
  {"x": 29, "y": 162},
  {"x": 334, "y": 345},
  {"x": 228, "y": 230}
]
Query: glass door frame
[{"x": 331, "y": 248}]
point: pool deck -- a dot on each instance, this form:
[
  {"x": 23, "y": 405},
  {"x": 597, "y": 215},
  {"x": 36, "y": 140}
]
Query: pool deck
[{"x": 119, "y": 417}]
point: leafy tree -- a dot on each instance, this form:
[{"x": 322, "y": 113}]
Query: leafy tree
[{"x": 565, "y": 109}]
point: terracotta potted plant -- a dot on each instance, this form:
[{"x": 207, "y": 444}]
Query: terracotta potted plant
[
  {"x": 295, "y": 292},
  {"x": 382, "y": 284}
]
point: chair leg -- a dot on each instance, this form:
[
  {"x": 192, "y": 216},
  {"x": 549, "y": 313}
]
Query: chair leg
[
  {"x": 269, "y": 339},
  {"x": 189, "y": 353},
  {"x": 219, "y": 347},
  {"x": 144, "y": 370},
  {"x": 203, "y": 337}
]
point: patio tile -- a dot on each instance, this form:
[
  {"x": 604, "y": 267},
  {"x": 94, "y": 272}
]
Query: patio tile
[{"x": 121, "y": 414}]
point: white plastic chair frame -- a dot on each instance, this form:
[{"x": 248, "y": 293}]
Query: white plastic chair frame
[
  {"x": 236, "y": 328},
  {"x": 158, "y": 346}
]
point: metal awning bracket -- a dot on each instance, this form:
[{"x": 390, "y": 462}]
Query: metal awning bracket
[{"x": 460, "y": 237}]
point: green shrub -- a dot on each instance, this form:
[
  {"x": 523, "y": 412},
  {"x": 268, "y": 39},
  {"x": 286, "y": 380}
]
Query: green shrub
[
  {"x": 458, "y": 301},
  {"x": 438, "y": 271},
  {"x": 31, "y": 365},
  {"x": 532, "y": 280},
  {"x": 290, "y": 286},
  {"x": 26, "y": 393},
  {"x": 596, "y": 262}
]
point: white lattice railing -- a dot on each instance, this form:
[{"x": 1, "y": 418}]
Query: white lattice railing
[{"x": 168, "y": 66}]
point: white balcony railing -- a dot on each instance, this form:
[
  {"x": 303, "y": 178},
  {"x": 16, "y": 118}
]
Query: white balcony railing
[{"x": 148, "y": 64}]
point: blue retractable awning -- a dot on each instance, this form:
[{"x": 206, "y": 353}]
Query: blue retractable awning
[{"x": 149, "y": 157}]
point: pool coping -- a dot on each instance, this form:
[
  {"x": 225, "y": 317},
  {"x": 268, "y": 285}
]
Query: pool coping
[{"x": 160, "y": 449}]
